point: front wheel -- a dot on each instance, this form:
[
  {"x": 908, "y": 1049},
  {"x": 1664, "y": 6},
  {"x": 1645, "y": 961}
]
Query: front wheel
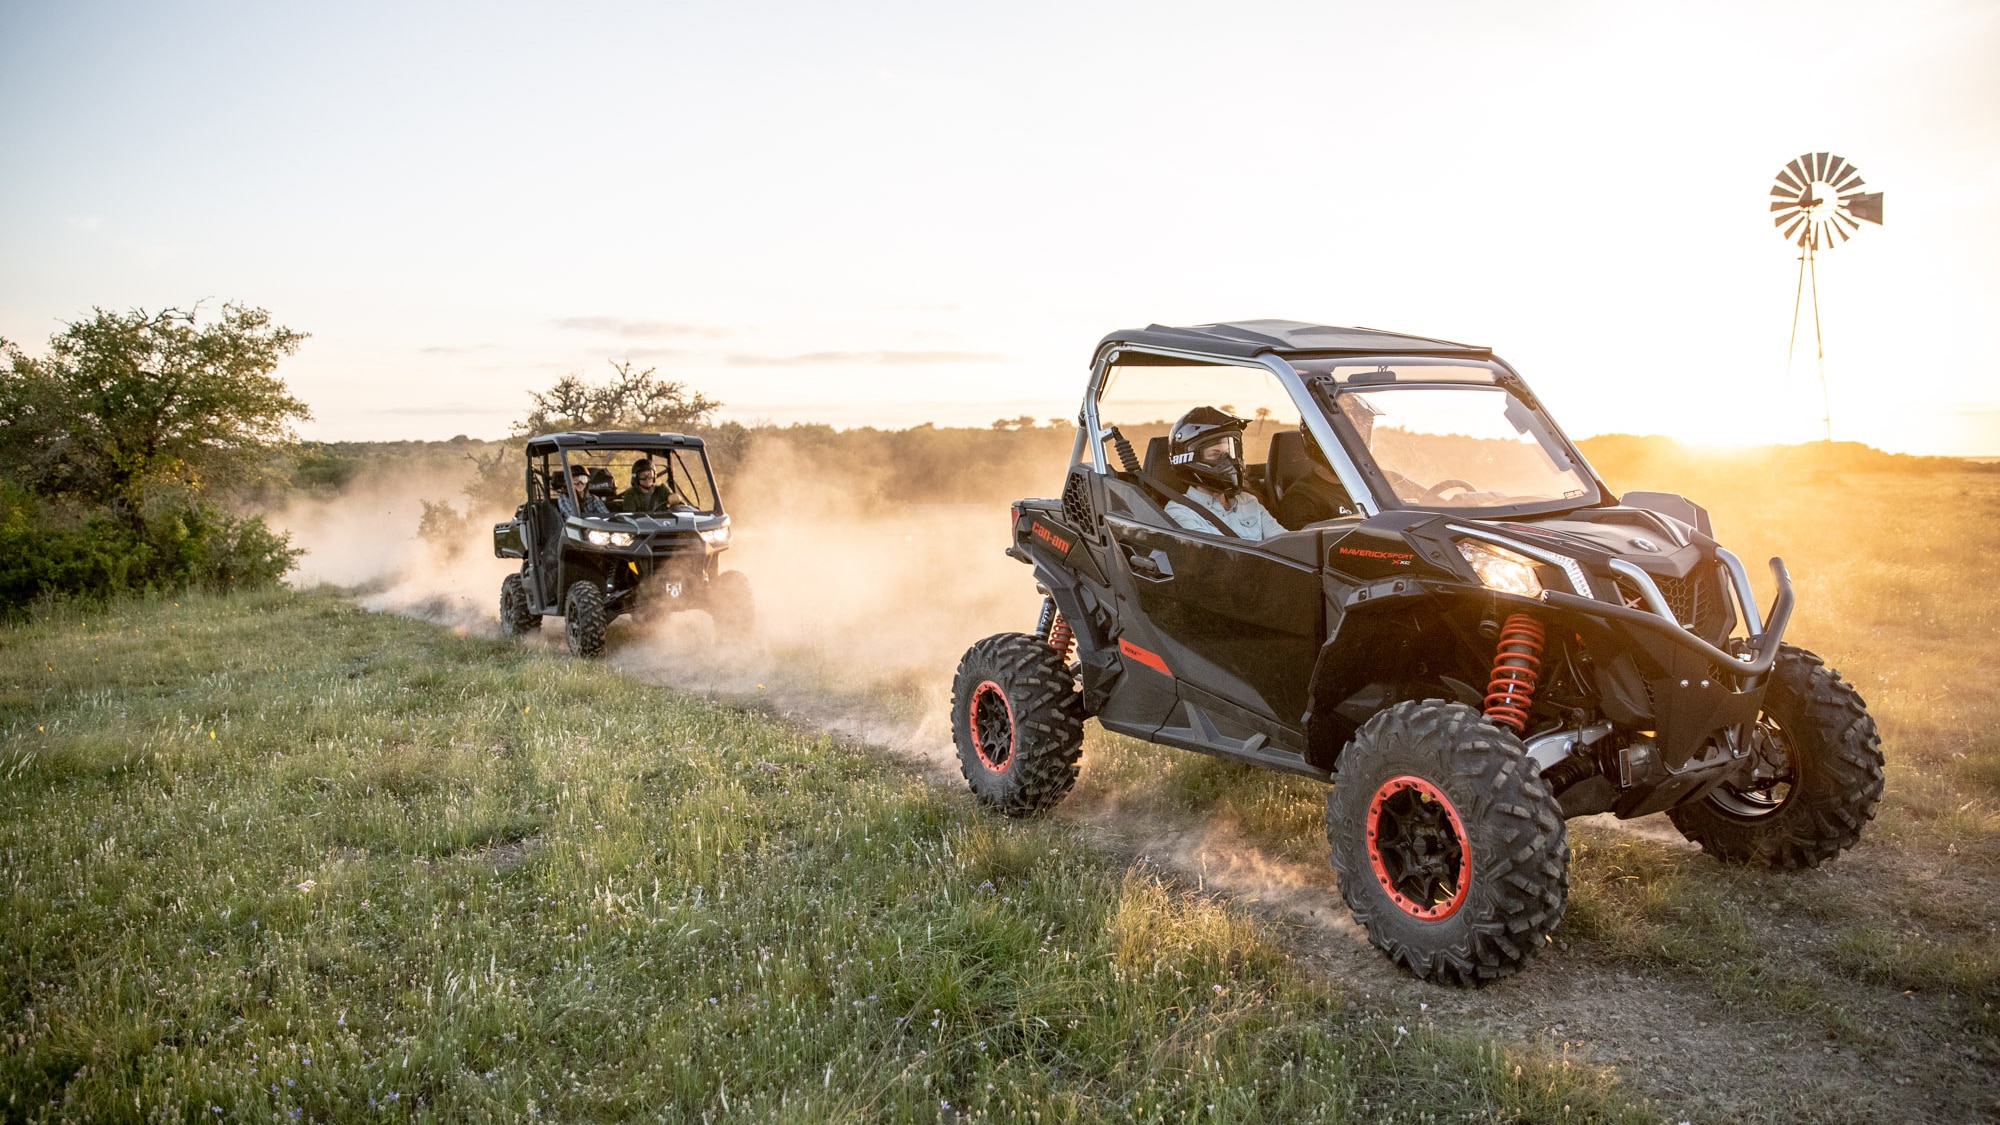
[
  {"x": 1817, "y": 779},
  {"x": 584, "y": 619},
  {"x": 730, "y": 603},
  {"x": 1451, "y": 851},
  {"x": 1018, "y": 723}
]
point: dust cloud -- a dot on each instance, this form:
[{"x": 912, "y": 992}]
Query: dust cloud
[
  {"x": 365, "y": 540},
  {"x": 863, "y": 606}
]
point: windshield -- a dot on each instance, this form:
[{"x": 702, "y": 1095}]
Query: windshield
[
  {"x": 656, "y": 482},
  {"x": 1462, "y": 446}
]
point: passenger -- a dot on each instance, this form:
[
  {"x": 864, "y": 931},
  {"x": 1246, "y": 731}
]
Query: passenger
[
  {"x": 1206, "y": 447},
  {"x": 578, "y": 500},
  {"x": 1317, "y": 496}
]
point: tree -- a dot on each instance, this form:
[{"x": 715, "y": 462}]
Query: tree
[
  {"x": 125, "y": 402},
  {"x": 632, "y": 400}
]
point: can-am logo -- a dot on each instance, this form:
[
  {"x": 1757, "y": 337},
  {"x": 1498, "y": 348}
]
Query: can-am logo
[
  {"x": 1050, "y": 537},
  {"x": 1181, "y": 458}
]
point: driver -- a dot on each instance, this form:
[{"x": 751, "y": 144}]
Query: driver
[
  {"x": 578, "y": 501},
  {"x": 1206, "y": 447},
  {"x": 644, "y": 496}
]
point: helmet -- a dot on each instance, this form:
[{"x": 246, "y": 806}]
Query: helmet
[{"x": 1193, "y": 440}]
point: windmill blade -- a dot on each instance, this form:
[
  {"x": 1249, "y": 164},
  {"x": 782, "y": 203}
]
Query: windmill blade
[
  {"x": 1819, "y": 165},
  {"x": 1795, "y": 222},
  {"x": 1787, "y": 191},
  {"x": 1867, "y": 206},
  {"x": 1837, "y": 168},
  {"x": 1785, "y": 205},
  {"x": 1798, "y": 171},
  {"x": 1849, "y": 182},
  {"x": 1787, "y": 181}
]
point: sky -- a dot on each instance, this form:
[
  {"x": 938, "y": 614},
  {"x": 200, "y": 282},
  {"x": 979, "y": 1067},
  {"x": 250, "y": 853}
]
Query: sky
[{"x": 887, "y": 214}]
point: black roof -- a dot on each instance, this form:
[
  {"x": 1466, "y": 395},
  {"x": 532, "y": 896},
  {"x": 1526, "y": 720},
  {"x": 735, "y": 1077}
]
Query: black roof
[
  {"x": 1246, "y": 338},
  {"x": 612, "y": 439}
]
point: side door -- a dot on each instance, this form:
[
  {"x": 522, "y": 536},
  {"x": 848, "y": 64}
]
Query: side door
[
  {"x": 1240, "y": 621},
  {"x": 536, "y": 527}
]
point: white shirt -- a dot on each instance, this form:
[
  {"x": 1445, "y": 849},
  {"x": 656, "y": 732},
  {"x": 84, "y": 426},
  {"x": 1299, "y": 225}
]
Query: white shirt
[{"x": 1247, "y": 518}]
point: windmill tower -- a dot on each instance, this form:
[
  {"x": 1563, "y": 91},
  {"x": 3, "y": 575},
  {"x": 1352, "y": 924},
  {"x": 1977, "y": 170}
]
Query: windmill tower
[{"x": 1816, "y": 199}]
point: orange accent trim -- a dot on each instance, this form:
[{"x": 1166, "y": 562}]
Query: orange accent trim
[
  {"x": 972, "y": 725},
  {"x": 1149, "y": 659},
  {"x": 1421, "y": 912}
]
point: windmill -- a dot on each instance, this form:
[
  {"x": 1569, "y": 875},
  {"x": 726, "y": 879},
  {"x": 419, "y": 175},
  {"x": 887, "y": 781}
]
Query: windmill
[{"x": 1816, "y": 199}]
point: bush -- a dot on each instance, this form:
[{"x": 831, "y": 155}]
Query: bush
[{"x": 93, "y": 553}]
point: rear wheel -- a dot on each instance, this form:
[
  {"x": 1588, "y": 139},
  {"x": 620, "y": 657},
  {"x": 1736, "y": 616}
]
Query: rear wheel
[
  {"x": 1018, "y": 723},
  {"x": 515, "y": 619},
  {"x": 1817, "y": 780},
  {"x": 1451, "y": 852},
  {"x": 584, "y": 619}
]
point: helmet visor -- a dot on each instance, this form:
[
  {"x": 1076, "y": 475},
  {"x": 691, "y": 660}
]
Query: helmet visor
[{"x": 1219, "y": 449}]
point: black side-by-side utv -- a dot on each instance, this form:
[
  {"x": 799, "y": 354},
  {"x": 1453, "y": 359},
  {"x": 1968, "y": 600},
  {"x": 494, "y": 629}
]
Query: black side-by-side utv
[
  {"x": 590, "y": 552},
  {"x": 1471, "y": 639}
]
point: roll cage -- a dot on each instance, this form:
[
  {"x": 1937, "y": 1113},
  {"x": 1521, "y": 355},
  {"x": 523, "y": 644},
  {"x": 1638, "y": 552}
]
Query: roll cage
[{"x": 1312, "y": 392}]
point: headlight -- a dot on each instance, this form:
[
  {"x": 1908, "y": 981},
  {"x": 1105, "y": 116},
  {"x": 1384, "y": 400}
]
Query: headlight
[
  {"x": 716, "y": 536},
  {"x": 608, "y": 538},
  {"x": 1501, "y": 569}
]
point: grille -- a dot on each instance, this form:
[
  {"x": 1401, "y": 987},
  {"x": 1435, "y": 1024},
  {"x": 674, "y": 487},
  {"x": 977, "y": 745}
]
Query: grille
[
  {"x": 1696, "y": 600},
  {"x": 1076, "y": 501}
]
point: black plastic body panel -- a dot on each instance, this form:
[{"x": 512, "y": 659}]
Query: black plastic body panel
[{"x": 1274, "y": 653}]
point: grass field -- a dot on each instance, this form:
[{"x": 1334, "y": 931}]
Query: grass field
[
  {"x": 275, "y": 858},
  {"x": 244, "y": 834}
]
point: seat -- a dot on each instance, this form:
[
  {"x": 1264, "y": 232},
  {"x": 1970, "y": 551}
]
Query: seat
[{"x": 1289, "y": 463}]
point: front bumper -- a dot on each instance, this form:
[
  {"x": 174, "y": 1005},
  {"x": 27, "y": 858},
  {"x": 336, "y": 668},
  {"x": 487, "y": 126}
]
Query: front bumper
[{"x": 1654, "y": 675}]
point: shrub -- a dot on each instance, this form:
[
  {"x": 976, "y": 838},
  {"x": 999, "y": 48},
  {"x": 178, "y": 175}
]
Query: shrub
[{"x": 93, "y": 553}]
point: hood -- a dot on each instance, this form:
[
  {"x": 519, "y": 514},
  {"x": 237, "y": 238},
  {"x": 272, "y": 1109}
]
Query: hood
[{"x": 1653, "y": 543}]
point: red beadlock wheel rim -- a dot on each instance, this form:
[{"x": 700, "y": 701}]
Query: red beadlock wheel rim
[
  {"x": 1418, "y": 849},
  {"x": 990, "y": 720}
]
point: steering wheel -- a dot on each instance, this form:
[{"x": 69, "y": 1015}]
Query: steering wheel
[{"x": 1437, "y": 491}]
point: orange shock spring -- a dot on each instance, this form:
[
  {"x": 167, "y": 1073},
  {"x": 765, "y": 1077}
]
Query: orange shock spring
[
  {"x": 1517, "y": 668},
  {"x": 1061, "y": 636}
]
